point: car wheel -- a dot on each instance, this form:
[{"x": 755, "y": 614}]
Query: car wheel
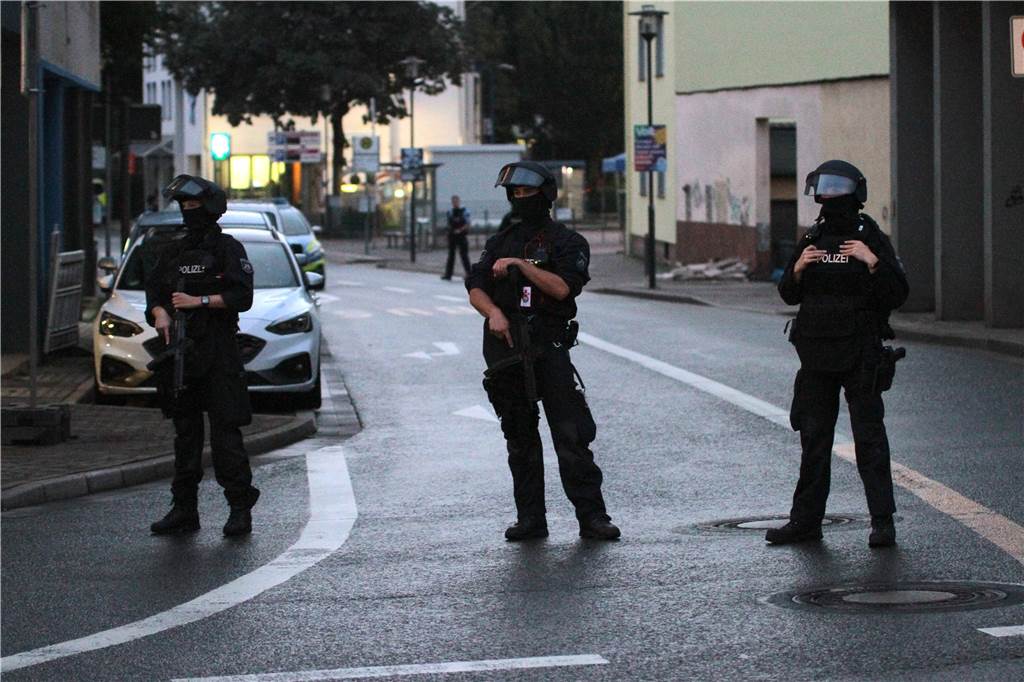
[
  {"x": 103, "y": 399},
  {"x": 310, "y": 400}
]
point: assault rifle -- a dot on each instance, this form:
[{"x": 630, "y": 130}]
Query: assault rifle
[
  {"x": 525, "y": 353},
  {"x": 176, "y": 350}
]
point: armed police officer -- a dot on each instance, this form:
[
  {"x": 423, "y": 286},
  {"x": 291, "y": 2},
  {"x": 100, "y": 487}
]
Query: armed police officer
[
  {"x": 525, "y": 285},
  {"x": 202, "y": 281},
  {"x": 458, "y": 237},
  {"x": 847, "y": 279}
]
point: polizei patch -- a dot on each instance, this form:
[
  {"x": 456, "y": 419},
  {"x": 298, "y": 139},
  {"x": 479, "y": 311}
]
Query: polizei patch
[
  {"x": 191, "y": 269},
  {"x": 835, "y": 258}
]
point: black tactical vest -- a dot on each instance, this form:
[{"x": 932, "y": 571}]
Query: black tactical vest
[{"x": 835, "y": 320}]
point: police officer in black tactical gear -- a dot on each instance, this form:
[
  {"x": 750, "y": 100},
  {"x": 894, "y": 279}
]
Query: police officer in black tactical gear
[
  {"x": 458, "y": 237},
  {"x": 847, "y": 279},
  {"x": 525, "y": 284},
  {"x": 206, "y": 279}
]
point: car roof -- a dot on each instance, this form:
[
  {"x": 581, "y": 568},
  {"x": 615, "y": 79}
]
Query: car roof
[
  {"x": 231, "y": 217},
  {"x": 272, "y": 201}
]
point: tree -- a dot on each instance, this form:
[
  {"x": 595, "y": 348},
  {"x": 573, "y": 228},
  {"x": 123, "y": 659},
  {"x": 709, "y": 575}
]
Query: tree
[
  {"x": 309, "y": 58},
  {"x": 566, "y": 93}
]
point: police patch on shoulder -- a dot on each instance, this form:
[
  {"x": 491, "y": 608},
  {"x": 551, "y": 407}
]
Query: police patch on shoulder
[
  {"x": 581, "y": 262},
  {"x": 246, "y": 266}
]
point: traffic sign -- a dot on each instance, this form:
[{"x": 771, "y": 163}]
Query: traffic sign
[
  {"x": 365, "y": 153},
  {"x": 301, "y": 146}
]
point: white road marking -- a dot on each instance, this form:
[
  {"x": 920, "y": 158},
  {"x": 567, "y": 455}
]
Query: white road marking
[
  {"x": 456, "y": 309},
  {"x": 332, "y": 513},
  {"x": 350, "y": 314},
  {"x": 408, "y": 312},
  {"x": 445, "y": 348},
  {"x": 477, "y": 412},
  {"x": 347, "y": 283},
  {"x": 327, "y": 298},
  {"x": 416, "y": 669},
  {"x": 1006, "y": 631},
  {"x": 398, "y": 290},
  {"x": 997, "y": 529},
  {"x": 445, "y": 297}
]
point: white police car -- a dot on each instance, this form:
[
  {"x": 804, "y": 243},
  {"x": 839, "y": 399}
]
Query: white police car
[{"x": 279, "y": 337}]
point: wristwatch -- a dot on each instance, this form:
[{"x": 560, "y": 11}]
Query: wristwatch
[{"x": 205, "y": 300}]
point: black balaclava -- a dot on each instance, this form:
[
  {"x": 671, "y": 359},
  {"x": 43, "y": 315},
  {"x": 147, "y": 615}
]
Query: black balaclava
[
  {"x": 841, "y": 213},
  {"x": 531, "y": 209},
  {"x": 199, "y": 223}
]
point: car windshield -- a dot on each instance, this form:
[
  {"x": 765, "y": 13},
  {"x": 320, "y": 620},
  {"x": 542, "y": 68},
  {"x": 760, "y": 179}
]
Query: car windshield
[
  {"x": 294, "y": 222},
  {"x": 271, "y": 267}
]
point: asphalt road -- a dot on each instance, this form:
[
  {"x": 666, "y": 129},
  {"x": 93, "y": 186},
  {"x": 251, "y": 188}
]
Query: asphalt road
[{"x": 424, "y": 576}]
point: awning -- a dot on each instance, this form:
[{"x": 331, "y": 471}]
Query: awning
[{"x": 614, "y": 164}]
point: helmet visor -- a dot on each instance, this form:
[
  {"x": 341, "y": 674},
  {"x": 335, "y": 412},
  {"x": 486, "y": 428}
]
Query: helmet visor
[
  {"x": 516, "y": 175},
  {"x": 828, "y": 185},
  {"x": 183, "y": 187}
]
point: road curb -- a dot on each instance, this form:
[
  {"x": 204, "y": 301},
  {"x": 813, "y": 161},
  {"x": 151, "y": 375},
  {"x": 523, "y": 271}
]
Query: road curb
[
  {"x": 143, "y": 471},
  {"x": 903, "y": 331}
]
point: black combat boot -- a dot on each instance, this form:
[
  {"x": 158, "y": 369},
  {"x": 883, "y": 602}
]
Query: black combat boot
[
  {"x": 599, "y": 528},
  {"x": 527, "y": 528},
  {"x": 794, "y": 532},
  {"x": 240, "y": 519},
  {"x": 183, "y": 518},
  {"x": 883, "y": 532}
]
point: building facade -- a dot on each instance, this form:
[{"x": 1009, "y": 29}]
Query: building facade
[
  {"x": 755, "y": 96},
  {"x": 69, "y": 75}
]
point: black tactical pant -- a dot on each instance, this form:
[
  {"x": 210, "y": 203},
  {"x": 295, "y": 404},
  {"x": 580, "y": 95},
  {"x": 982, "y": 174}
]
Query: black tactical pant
[
  {"x": 224, "y": 398},
  {"x": 461, "y": 242},
  {"x": 572, "y": 430},
  {"x": 814, "y": 413}
]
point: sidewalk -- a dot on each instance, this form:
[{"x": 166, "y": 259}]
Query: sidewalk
[
  {"x": 613, "y": 273},
  {"x": 111, "y": 446}
]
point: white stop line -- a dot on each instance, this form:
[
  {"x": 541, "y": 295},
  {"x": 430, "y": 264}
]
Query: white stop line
[{"x": 416, "y": 669}]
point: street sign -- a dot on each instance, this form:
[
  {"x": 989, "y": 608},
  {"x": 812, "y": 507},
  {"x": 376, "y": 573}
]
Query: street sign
[
  {"x": 99, "y": 157},
  {"x": 220, "y": 146},
  {"x": 302, "y": 146},
  {"x": 1017, "y": 45},
  {"x": 650, "y": 143},
  {"x": 365, "y": 153},
  {"x": 412, "y": 163}
]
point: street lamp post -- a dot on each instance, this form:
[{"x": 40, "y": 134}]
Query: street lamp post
[
  {"x": 412, "y": 68},
  {"x": 650, "y": 28}
]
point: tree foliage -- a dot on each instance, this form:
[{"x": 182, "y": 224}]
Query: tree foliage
[
  {"x": 309, "y": 58},
  {"x": 124, "y": 28},
  {"x": 566, "y": 93}
]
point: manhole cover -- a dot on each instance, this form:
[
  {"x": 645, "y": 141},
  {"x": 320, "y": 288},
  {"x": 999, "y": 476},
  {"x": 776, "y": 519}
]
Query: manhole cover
[
  {"x": 913, "y": 597},
  {"x": 759, "y": 524}
]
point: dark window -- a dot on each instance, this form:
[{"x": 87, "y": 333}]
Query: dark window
[
  {"x": 661, "y": 185},
  {"x": 643, "y": 184}
]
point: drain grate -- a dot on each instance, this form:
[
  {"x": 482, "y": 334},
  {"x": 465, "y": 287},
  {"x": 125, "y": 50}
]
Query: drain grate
[
  {"x": 903, "y": 597},
  {"x": 759, "y": 524}
]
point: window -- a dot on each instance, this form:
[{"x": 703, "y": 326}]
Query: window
[
  {"x": 271, "y": 267},
  {"x": 294, "y": 222},
  {"x": 708, "y": 197},
  {"x": 661, "y": 185},
  {"x": 641, "y": 54},
  {"x": 241, "y": 177},
  {"x": 643, "y": 184},
  {"x": 192, "y": 109}
]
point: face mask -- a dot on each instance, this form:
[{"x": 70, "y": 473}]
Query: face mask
[
  {"x": 531, "y": 208},
  {"x": 195, "y": 218}
]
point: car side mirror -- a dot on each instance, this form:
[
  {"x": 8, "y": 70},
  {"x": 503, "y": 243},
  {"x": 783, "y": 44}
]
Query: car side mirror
[
  {"x": 314, "y": 280},
  {"x": 107, "y": 264},
  {"x": 105, "y": 283},
  {"x": 317, "y": 230}
]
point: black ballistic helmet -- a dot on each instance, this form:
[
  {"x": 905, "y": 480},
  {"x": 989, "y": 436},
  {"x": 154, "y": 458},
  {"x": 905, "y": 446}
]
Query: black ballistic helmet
[
  {"x": 527, "y": 174},
  {"x": 834, "y": 179},
  {"x": 190, "y": 187}
]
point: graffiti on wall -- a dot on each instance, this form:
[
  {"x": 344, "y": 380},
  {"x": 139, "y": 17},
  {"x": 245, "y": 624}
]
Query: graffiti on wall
[{"x": 719, "y": 203}]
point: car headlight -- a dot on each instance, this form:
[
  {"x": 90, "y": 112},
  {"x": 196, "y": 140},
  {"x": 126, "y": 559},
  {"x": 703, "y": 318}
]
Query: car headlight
[
  {"x": 296, "y": 325},
  {"x": 112, "y": 325}
]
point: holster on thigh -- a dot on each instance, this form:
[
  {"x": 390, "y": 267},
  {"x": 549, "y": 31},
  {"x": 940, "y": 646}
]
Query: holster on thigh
[{"x": 518, "y": 420}]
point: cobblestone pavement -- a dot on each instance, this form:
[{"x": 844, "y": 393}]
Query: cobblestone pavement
[{"x": 63, "y": 377}]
